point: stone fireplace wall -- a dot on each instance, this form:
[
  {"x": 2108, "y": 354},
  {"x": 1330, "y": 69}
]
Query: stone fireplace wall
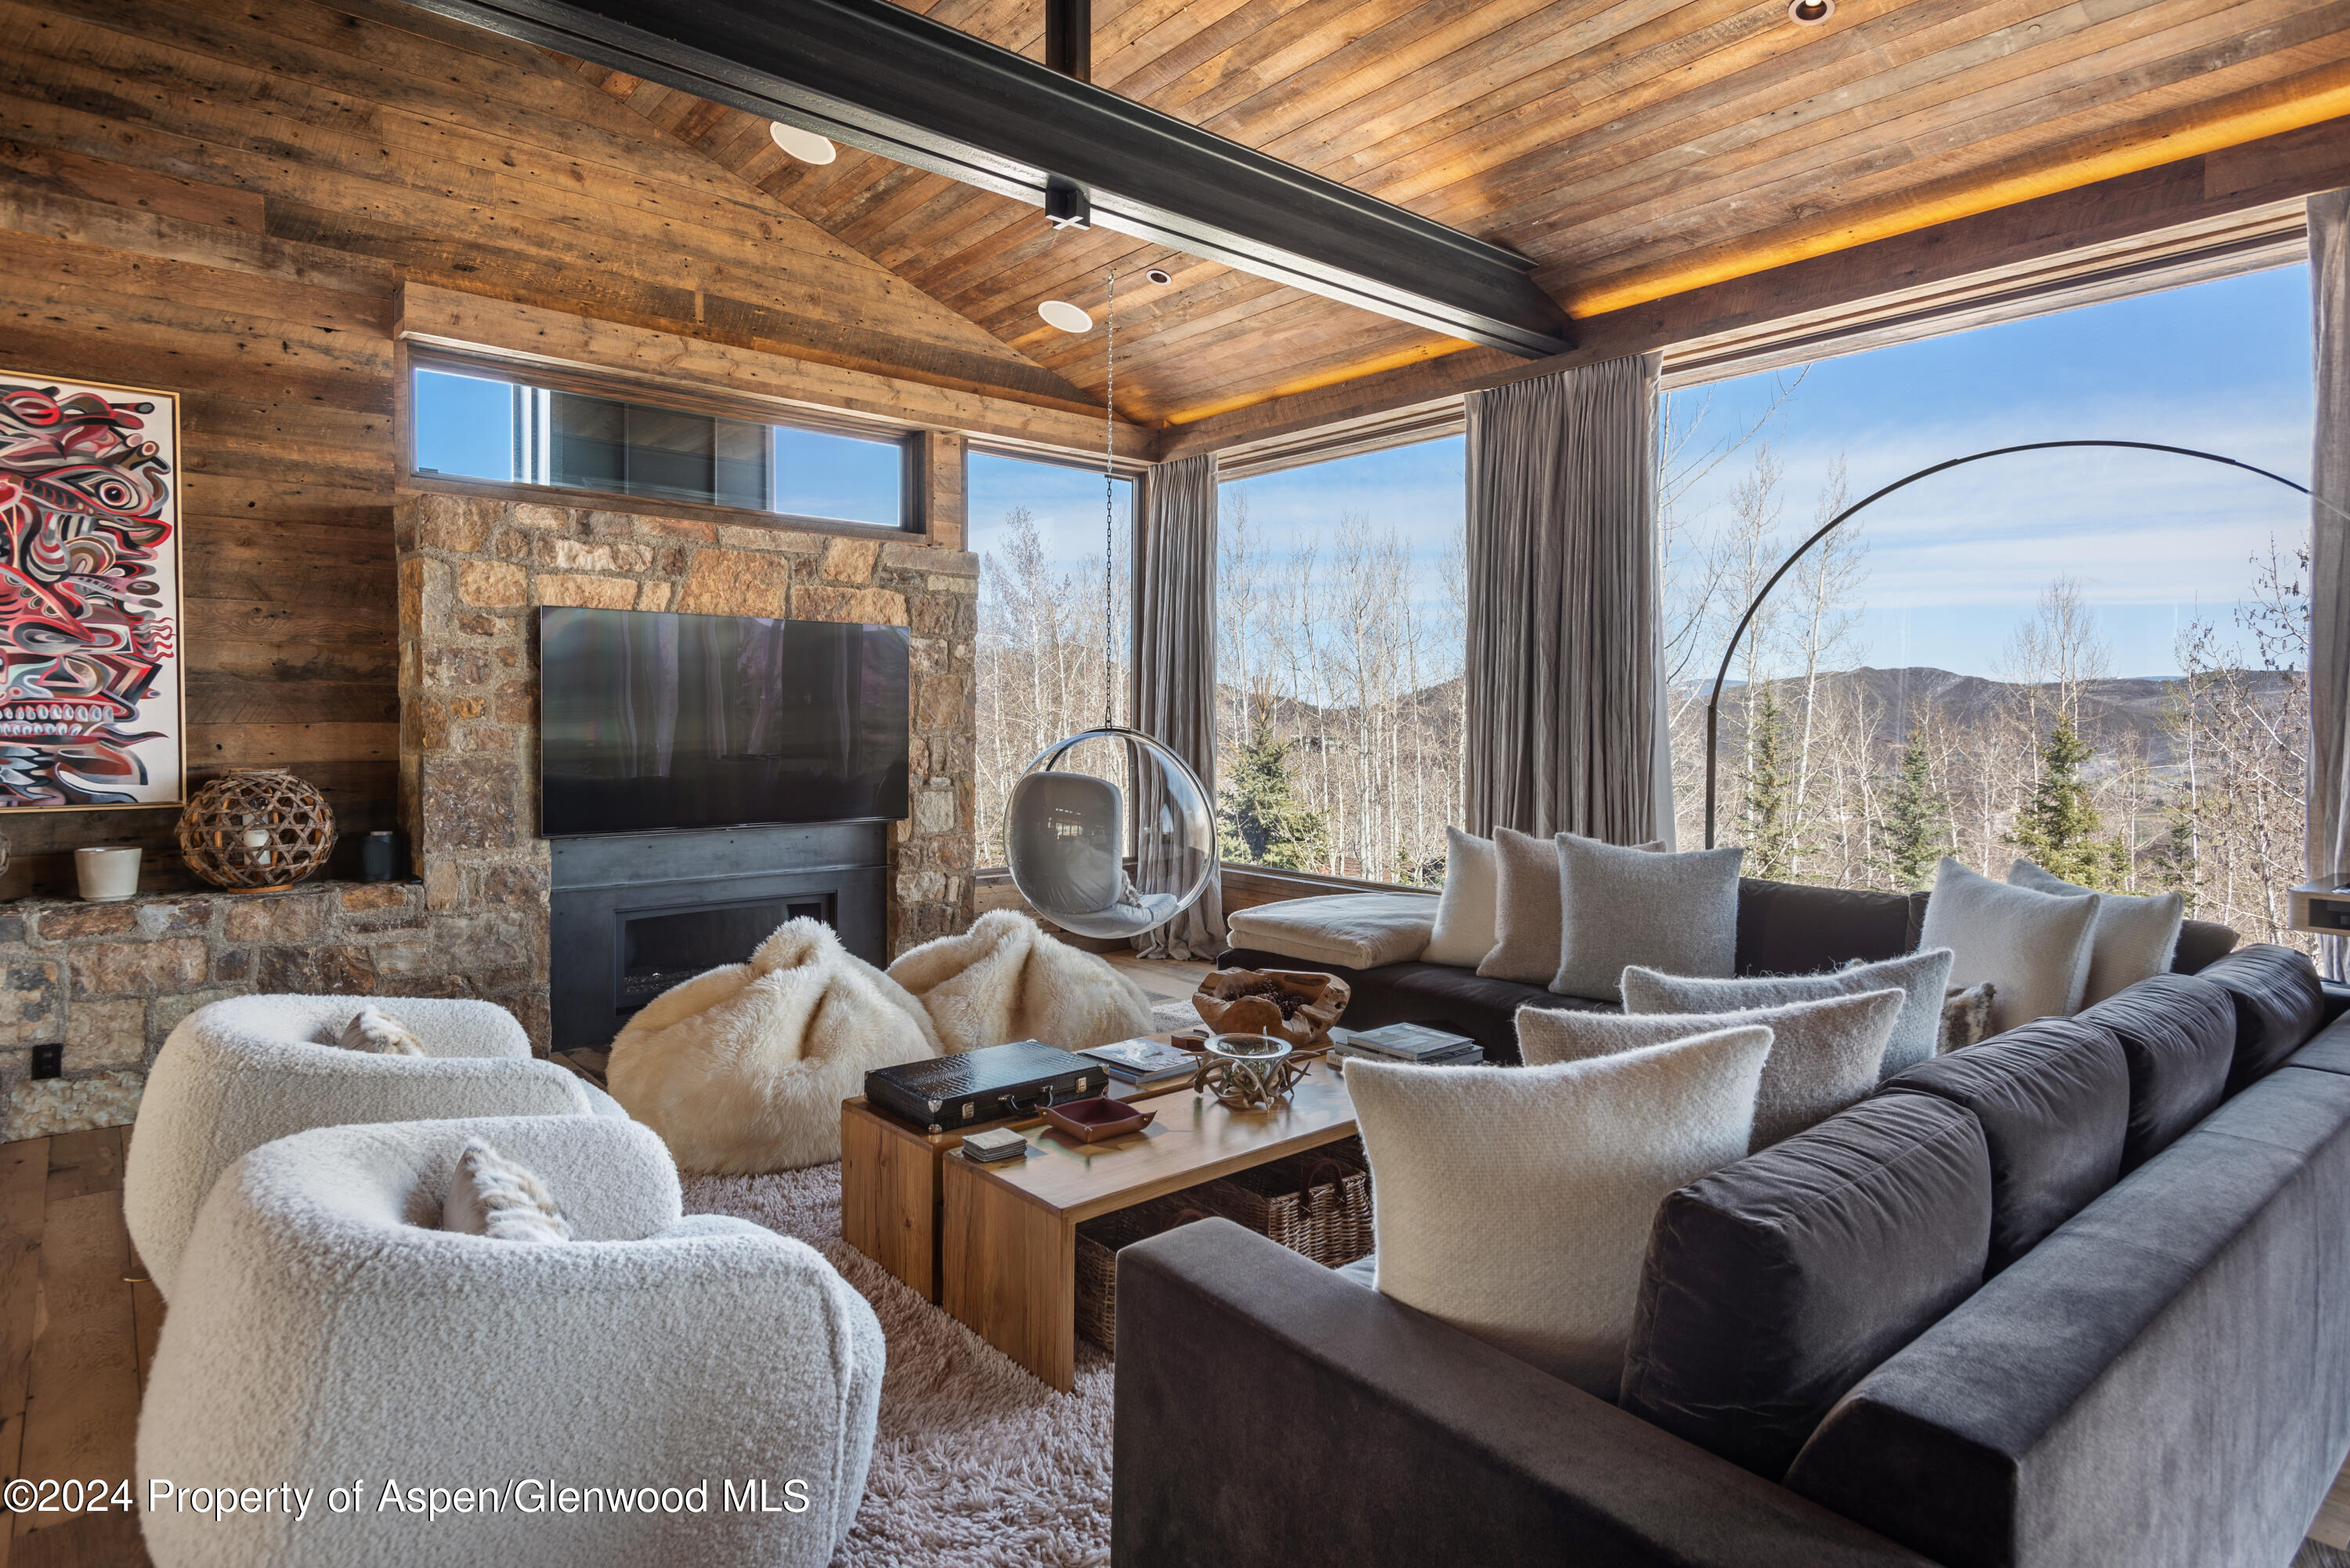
[{"x": 473, "y": 573}]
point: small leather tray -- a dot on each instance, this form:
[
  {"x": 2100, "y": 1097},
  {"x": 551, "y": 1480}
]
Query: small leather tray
[{"x": 1095, "y": 1121}]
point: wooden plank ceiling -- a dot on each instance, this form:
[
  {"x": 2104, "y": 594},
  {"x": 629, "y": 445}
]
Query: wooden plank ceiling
[{"x": 1632, "y": 148}]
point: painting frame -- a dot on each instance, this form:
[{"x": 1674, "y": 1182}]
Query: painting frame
[{"x": 163, "y": 419}]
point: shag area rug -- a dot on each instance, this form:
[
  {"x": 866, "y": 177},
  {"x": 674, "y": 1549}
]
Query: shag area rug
[{"x": 977, "y": 1464}]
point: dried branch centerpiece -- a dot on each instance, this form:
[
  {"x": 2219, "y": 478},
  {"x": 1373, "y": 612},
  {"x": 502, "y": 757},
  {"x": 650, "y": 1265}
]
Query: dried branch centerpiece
[
  {"x": 257, "y": 830},
  {"x": 1294, "y": 1005}
]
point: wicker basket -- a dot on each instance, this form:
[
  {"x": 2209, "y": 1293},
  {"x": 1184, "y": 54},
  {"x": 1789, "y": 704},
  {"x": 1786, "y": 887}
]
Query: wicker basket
[
  {"x": 1318, "y": 1204},
  {"x": 1099, "y": 1241}
]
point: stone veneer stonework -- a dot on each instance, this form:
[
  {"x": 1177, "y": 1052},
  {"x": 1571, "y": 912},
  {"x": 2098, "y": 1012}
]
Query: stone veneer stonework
[
  {"x": 107, "y": 982},
  {"x": 472, "y": 572}
]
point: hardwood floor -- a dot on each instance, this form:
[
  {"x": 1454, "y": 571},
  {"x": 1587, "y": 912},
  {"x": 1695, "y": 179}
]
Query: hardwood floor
[
  {"x": 78, "y": 1322},
  {"x": 1164, "y": 979},
  {"x": 78, "y": 1325}
]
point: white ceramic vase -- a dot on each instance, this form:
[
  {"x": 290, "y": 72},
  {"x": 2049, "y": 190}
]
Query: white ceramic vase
[{"x": 106, "y": 876}]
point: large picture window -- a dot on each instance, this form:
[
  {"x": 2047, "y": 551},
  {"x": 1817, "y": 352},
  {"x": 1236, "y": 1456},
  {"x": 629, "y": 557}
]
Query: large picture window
[
  {"x": 478, "y": 426},
  {"x": 2096, "y": 660},
  {"x": 1340, "y": 633},
  {"x": 1046, "y": 625}
]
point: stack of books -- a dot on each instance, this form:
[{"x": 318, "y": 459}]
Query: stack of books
[
  {"x": 1144, "y": 1061},
  {"x": 1414, "y": 1042}
]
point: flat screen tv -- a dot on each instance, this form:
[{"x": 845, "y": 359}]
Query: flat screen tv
[{"x": 651, "y": 721}]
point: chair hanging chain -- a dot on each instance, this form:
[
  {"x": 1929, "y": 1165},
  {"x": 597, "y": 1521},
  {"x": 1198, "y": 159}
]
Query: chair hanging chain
[{"x": 1109, "y": 492}]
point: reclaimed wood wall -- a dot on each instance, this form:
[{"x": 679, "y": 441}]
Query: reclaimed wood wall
[{"x": 223, "y": 200}]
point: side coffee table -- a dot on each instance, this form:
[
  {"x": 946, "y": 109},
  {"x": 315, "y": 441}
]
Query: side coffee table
[
  {"x": 890, "y": 1201},
  {"x": 1008, "y": 1239}
]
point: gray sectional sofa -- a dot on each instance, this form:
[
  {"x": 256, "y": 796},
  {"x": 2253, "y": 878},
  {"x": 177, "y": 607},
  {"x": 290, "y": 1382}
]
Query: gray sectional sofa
[{"x": 2077, "y": 1296}]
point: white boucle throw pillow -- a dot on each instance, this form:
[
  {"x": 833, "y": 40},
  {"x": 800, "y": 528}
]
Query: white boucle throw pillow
[
  {"x": 2033, "y": 947},
  {"x": 1516, "y": 1204},
  {"x": 1825, "y": 1055},
  {"x": 1922, "y": 977},
  {"x": 490, "y": 1195},
  {"x": 1464, "y": 917},
  {"x": 1618, "y": 907},
  {"x": 2135, "y": 937},
  {"x": 379, "y": 1034}
]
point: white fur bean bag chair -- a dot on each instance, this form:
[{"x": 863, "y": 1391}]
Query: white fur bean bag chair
[
  {"x": 1006, "y": 980},
  {"x": 742, "y": 1069}
]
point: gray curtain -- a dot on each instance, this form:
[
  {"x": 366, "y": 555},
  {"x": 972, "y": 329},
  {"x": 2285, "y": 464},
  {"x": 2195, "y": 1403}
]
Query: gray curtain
[
  {"x": 2329, "y": 552},
  {"x": 1565, "y": 709},
  {"x": 1175, "y": 665}
]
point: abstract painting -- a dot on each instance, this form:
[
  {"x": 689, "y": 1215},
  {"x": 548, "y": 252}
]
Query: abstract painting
[{"x": 91, "y": 701}]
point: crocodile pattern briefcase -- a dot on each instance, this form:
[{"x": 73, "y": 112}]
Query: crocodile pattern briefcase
[{"x": 969, "y": 1087}]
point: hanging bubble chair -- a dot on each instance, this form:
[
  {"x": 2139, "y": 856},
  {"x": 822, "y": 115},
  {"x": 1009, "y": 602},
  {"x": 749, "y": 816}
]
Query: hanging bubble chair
[{"x": 1108, "y": 835}]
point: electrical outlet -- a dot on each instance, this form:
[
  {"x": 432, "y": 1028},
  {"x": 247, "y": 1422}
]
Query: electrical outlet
[{"x": 48, "y": 1060}]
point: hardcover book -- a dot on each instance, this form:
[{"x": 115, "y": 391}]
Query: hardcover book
[{"x": 1143, "y": 1060}]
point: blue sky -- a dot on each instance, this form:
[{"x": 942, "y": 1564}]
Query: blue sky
[
  {"x": 1955, "y": 561},
  {"x": 464, "y": 425},
  {"x": 1066, "y": 503}
]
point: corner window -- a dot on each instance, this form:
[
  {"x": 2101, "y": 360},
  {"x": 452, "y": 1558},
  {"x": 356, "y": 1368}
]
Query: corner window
[{"x": 479, "y": 427}]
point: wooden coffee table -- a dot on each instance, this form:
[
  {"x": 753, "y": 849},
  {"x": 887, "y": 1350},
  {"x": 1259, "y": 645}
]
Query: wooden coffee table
[
  {"x": 1008, "y": 1239},
  {"x": 891, "y": 1200}
]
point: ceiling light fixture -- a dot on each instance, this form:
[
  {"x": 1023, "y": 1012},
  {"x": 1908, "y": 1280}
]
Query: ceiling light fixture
[
  {"x": 1810, "y": 13},
  {"x": 1160, "y": 275},
  {"x": 1068, "y": 317},
  {"x": 805, "y": 145}
]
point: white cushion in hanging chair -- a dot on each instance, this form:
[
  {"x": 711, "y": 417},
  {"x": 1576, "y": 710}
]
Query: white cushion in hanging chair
[{"x": 1065, "y": 837}]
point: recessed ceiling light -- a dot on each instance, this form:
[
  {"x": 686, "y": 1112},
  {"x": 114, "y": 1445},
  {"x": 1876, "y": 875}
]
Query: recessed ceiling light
[
  {"x": 1060, "y": 313},
  {"x": 805, "y": 145},
  {"x": 1810, "y": 13},
  {"x": 1160, "y": 274}
]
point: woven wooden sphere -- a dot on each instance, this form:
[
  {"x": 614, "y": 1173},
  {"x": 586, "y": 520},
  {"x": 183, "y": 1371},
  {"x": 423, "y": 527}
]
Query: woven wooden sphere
[{"x": 257, "y": 830}]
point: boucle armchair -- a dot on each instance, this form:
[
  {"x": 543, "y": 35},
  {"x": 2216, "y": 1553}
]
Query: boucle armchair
[
  {"x": 324, "y": 1337},
  {"x": 239, "y": 1072}
]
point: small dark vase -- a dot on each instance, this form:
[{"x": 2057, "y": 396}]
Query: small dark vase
[{"x": 380, "y": 857}]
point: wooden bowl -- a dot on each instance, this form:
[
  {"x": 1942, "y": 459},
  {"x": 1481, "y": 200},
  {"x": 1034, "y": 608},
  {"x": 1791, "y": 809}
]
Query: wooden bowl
[
  {"x": 1098, "y": 1120},
  {"x": 1232, "y": 1002}
]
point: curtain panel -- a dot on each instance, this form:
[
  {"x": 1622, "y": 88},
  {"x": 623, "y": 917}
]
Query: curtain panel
[
  {"x": 1564, "y": 691},
  {"x": 1174, "y": 686},
  {"x": 2329, "y": 552}
]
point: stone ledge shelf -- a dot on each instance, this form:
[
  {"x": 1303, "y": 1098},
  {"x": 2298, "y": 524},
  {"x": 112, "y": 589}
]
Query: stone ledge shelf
[{"x": 109, "y": 981}]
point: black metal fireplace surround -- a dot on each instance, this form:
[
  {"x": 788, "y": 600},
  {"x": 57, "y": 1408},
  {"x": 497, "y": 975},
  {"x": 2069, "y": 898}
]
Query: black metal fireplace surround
[{"x": 632, "y": 915}]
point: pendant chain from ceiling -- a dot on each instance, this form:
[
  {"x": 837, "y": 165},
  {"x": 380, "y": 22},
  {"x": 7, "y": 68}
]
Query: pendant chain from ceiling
[{"x": 1109, "y": 491}]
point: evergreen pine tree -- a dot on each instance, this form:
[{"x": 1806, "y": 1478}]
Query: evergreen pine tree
[
  {"x": 1917, "y": 821},
  {"x": 1263, "y": 822},
  {"x": 1769, "y": 814},
  {"x": 2173, "y": 863},
  {"x": 2059, "y": 827}
]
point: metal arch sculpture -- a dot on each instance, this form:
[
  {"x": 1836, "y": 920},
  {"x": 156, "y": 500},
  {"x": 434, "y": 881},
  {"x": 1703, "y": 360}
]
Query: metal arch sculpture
[{"x": 1714, "y": 702}]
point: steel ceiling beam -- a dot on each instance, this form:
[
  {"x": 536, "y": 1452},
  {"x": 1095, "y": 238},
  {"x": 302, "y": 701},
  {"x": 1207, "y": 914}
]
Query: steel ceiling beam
[{"x": 893, "y": 82}]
